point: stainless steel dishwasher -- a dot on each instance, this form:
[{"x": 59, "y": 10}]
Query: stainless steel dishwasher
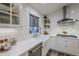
[{"x": 36, "y": 51}]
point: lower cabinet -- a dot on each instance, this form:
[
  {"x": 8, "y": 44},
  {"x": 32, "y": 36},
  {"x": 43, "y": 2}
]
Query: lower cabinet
[
  {"x": 36, "y": 50},
  {"x": 44, "y": 51},
  {"x": 45, "y": 47},
  {"x": 53, "y": 43},
  {"x": 67, "y": 45}
]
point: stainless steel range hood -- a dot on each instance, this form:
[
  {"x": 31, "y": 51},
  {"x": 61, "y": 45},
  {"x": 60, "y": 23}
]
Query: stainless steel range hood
[{"x": 65, "y": 19}]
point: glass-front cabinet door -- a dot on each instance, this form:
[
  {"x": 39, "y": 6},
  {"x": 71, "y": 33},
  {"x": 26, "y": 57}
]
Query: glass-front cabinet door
[
  {"x": 4, "y": 13},
  {"x": 9, "y": 13},
  {"x": 15, "y": 14}
]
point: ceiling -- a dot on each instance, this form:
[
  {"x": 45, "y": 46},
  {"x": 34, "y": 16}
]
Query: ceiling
[{"x": 47, "y": 8}]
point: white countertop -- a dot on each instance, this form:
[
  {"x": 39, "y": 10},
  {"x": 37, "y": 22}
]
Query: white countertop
[
  {"x": 24, "y": 46},
  {"x": 64, "y": 37}
]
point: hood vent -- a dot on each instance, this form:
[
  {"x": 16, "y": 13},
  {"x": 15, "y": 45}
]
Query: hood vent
[{"x": 65, "y": 19}]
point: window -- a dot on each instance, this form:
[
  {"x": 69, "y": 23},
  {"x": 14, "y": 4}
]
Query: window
[{"x": 34, "y": 23}]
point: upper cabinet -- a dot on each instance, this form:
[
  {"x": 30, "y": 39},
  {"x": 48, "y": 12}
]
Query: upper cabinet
[
  {"x": 9, "y": 14},
  {"x": 15, "y": 14},
  {"x": 4, "y": 13}
]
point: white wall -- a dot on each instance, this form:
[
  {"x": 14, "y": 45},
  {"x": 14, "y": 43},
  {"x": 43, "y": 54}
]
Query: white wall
[
  {"x": 73, "y": 12},
  {"x": 23, "y": 32}
]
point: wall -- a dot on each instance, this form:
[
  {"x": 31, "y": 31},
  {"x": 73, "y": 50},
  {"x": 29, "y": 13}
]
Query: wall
[
  {"x": 73, "y": 12},
  {"x": 23, "y": 32}
]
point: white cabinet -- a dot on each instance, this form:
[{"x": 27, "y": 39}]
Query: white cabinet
[
  {"x": 4, "y": 13},
  {"x": 53, "y": 43},
  {"x": 68, "y": 45},
  {"x": 45, "y": 47},
  {"x": 9, "y": 14},
  {"x": 15, "y": 13},
  {"x": 72, "y": 46}
]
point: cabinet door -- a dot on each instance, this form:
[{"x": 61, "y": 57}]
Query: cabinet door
[
  {"x": 4, "y": 13},
  {"x": 72, "y": 46},
  {"x": 45, "y": 47},
  {"x": 60, "y": 44},
  {"x": 15, "y": 13},
  {"x": 44, "y": 50},
  {"x": 5, "y": 7},
  {"x": 66, "y": 45},
  {"x": 53, "y": 43},
  {"x": 73, "y": 43}
]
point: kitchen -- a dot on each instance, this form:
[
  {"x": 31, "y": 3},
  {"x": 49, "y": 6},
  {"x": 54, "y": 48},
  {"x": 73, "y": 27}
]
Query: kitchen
[{"x": 38, "y": 29}]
